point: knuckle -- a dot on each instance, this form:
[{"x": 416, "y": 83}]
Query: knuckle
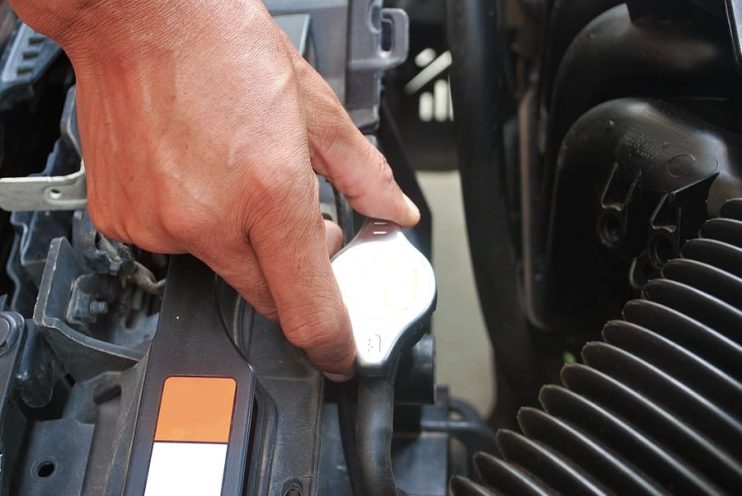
[
  {"x": 288, "y": 186},
  {"x": 267, "y": 310},
  {"x": 380, "y": 166},
  {"x": 147, "y": 238},
  {"x": 128, "y": 226},
  {"x": 178, "y": 223},
  {"x": 316, "y": 330},
  {"x": 334, "y": 129},
  {"x": 311, "y": 189},
  {"x": 258, "y": 295},
  {"x": 103, "y": 222},
  {"x": 378, "y": 173}
]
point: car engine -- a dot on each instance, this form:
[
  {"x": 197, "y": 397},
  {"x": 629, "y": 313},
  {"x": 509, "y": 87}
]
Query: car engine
[{"x": 600, "y": 152}]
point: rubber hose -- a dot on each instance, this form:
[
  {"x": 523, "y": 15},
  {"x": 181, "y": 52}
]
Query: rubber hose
[{"x": 366, "y": 425}]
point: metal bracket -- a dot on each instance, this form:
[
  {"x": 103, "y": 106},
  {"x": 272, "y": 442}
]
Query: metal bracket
[
  {"x": 44, "y": 193},
  {"x": 88, "y": 351},
  {"x": 368, "y": 58}
]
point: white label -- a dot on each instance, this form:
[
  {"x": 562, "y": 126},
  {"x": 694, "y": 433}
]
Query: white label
[{"x": 186, "y": 469}]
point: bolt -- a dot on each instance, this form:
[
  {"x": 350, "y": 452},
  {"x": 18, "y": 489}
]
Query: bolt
[{"x": 98, "y": 307}]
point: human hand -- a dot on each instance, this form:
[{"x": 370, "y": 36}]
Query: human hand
[{"x": 201, "y": 129}]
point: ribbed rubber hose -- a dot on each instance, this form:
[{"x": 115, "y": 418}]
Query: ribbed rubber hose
[{"x": 656, "y": 408}]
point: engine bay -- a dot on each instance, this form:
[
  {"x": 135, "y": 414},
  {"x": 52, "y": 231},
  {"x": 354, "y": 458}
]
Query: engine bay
[{"x": 598, "y": 145}]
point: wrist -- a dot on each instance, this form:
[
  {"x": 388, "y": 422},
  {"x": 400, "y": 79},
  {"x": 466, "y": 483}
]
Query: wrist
[
  {"x": 54, "y": 18},
  {"x": 95, "y": 29}
]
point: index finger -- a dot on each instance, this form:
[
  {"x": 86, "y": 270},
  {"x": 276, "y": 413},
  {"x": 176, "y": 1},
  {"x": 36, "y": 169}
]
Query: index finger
[{"x": 345, "y": 157}]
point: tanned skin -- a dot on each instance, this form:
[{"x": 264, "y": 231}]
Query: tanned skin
[{"x": 201, "y": 130}]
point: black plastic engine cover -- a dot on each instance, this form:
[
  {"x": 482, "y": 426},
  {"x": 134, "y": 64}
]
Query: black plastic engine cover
[{"x": 191, "y": 341}]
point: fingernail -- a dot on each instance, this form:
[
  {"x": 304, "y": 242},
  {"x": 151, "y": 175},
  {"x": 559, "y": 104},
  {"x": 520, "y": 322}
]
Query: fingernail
[
  {"x": 412, "y": 207},
  {"x": 336, "y": 377}
]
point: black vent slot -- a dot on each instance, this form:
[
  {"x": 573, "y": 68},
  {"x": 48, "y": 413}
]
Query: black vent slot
[{"x": 656, "y": 408}]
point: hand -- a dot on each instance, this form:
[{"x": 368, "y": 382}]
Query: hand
[{"x": 201, "y": 129}]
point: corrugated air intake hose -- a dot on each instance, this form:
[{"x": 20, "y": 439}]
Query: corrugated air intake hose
[{"x": 656, "y": 408}]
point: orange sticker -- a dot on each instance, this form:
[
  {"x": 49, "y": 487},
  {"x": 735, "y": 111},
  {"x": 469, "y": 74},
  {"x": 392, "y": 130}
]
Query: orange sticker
[{"x": 196, "y": 409}]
